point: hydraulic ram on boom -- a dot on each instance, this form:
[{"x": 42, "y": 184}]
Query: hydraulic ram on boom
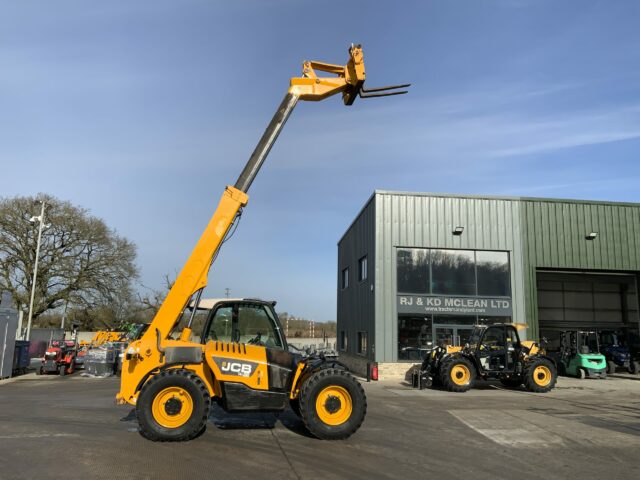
[{"x": 172, "y": 382}]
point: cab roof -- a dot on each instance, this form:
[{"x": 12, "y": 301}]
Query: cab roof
[{"x": 209, "y": 303}]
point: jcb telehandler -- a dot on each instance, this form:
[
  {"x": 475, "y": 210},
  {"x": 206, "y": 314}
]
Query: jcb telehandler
[
  {"x": 172, "y": 382},
  {"x": 493, "y": 352}
]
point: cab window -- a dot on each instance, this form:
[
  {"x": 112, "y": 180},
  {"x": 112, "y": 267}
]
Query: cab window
[
  {"x": 221, "y": 325},
  {"x": 493, "y": 340},
  {"x": 256, "y": 326},
  {"x": 512, "y": 339}
]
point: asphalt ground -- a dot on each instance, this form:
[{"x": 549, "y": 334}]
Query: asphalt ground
[{"x": 52, "y": 427}]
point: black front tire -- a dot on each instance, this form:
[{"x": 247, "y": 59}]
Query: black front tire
[
  {"x": 457, "y": 374},
  {"x": 611, "y": 367},
  {"x": 535, "y": 375},
  {"x": 634, "y": 367},
  {"x": 314, "y": 386},
  {"x": 63, "y": 370},
  {"x": 196, "y": 422}
]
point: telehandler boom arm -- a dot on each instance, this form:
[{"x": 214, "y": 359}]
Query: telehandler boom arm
[{"x": 349, "y": 80}]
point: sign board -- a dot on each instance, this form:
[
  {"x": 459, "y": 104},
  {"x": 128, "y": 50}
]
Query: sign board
[{"x": 438, "y": 304}]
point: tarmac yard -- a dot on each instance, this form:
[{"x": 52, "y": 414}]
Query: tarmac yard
[{"x": 52, "y": 427}]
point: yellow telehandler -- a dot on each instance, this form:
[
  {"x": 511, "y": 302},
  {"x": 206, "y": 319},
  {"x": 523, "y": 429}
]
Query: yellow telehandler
[{"x": 240, "y": 358}]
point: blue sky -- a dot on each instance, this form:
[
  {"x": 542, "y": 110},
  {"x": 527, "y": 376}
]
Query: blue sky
[{"x": 143, "y": 111}]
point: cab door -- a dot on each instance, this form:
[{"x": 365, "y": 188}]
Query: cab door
[
  {"x": 258, "y": 325},
  {"x": 493, "y": 349},
  {"x": 245, "y": 351}
]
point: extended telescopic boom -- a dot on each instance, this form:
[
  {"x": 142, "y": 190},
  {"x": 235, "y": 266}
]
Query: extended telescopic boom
[{"x": 349, "y": 80}]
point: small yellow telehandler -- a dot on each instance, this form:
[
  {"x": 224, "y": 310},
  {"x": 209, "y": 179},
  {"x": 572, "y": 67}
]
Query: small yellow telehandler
[{"x": 240, "y": 359}]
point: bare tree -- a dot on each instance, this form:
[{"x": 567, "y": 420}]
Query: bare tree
[
  {"x": 82, "y": 261},
  {"x": 149, "y": 303}
]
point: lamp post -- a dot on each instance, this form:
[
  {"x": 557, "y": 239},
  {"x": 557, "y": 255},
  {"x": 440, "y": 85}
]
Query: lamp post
[{"x": 35, "y": 267}]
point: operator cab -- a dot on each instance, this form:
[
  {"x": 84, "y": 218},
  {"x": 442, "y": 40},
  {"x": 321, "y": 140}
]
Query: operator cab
[
  {"x": 497, "y": 346},
  {"x": 249, "y": 321}
]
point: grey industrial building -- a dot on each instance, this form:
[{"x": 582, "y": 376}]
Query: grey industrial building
[{"x": 415, "y": 269}]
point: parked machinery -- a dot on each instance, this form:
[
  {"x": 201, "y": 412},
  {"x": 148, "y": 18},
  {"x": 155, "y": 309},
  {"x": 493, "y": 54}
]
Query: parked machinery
[
  {"x": 173, "y": 382},
  {"x": 579, "y": 355},
  {"x": 103, "y": 336},
  {"x": 59, "y": 358},
  {"x": 616, "y": 354},
  {"x": 493, "y": 352},
  {"x": 633, "y": 342}
]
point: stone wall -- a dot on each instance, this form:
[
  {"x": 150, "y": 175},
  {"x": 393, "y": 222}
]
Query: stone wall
[
  {"x": 396, "y": 371},
  {"x": 386, "y": 371}
]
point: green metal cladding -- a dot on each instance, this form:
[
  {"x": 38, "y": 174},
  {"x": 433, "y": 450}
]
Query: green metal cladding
[{"x": 554, "y": 236}]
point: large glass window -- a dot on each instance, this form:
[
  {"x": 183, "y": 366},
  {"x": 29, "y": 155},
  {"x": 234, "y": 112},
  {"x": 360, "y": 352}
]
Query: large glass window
[
  {"x": 413, "y": 270},
  {"x": 418, "y": 334},
  {"x": 415, "y": 337},
  {"x": 424, "y": 271},
  {"x": 493, "y": 273},
  {"x": 453, "y": 272}
]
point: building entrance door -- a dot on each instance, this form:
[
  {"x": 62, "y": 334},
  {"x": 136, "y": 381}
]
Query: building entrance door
[{"x": 455, "y": 335}]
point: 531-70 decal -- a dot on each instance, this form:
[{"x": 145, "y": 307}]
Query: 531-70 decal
[{"x": 232, "y": 366}]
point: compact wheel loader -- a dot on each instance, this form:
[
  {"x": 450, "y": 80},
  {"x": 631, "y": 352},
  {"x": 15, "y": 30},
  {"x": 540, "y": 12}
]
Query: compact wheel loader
[
  {"x": 240, "y": 360},
  {"x": 493, "y": 352}
]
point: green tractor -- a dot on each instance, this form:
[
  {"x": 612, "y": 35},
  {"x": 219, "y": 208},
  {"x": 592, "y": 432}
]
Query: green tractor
[{"x": 580, "y": 356}]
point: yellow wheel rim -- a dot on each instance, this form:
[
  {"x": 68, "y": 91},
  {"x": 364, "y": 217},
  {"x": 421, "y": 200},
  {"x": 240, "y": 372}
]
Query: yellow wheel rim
[
  {"x": 172, "y": 407},
  {"x": 460, "y": 374},
  {"x": 542, "y": 375},
  {"x": 334, "y": 405}
]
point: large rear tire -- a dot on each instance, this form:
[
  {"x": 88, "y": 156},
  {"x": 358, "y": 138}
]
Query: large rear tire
[
  {"x": 457, "y": 374},
  {"x": 540, "y": 375},
  {"x": 611, "y": 367},
  {"x": 634, "y": 367},
  {"x": 332, "y": 404},
  {"x": 173, "y": 406}
]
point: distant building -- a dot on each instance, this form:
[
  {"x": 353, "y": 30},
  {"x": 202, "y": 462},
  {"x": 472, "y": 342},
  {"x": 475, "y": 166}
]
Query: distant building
[{"x": 415, "y": 269}]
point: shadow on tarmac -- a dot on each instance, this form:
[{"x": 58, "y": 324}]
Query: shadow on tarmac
[{"x": 246, "y": 421}]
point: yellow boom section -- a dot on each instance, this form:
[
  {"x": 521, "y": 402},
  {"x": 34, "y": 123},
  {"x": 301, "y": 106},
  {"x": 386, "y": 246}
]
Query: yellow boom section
[{"x": 193, "y": 276}]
